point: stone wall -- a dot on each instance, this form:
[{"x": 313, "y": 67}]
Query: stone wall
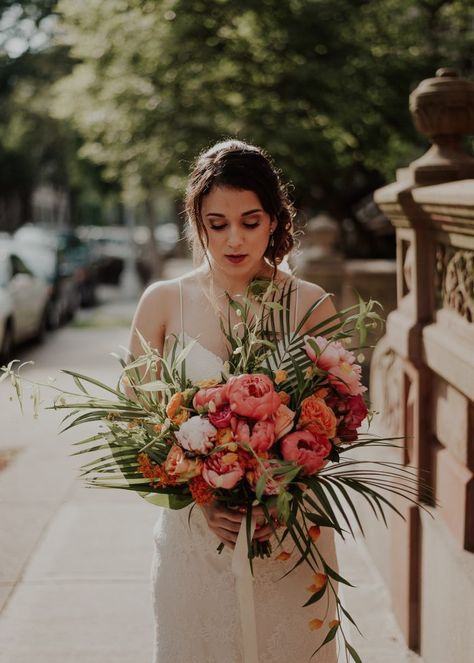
[{"x": 422, "y": 379}]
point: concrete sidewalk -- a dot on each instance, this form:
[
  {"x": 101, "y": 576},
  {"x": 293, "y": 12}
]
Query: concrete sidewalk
[{"x": 75, "y": 563}]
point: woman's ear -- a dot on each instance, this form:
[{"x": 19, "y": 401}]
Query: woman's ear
[{"x": 273, "y": 224}]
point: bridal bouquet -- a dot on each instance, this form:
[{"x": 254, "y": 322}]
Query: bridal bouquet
[{"x": 273, "y": 429}]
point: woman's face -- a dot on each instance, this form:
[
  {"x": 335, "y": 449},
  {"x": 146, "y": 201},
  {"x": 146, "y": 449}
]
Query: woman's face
[{"x": 238, "y": 229}]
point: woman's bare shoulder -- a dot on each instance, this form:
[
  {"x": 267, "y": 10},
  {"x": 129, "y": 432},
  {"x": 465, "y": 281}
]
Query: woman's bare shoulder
[{"x": 308, "y": 294}]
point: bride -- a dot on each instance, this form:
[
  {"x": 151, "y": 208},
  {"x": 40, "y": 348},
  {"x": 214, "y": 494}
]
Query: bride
[{"x": 240, "y": 224}]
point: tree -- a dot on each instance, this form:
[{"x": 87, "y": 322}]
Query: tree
[{"x": 322, "y": 84}]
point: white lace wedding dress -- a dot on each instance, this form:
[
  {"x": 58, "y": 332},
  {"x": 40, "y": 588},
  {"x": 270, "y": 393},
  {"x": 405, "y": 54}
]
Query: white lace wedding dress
[{"x": 195, "y": 601}]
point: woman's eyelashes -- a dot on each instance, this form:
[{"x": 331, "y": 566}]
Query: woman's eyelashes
[{"x": 246, "y": 225}]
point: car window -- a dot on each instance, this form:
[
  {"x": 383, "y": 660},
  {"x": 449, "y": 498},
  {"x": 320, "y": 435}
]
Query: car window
[{"x": 18, "y": 266}]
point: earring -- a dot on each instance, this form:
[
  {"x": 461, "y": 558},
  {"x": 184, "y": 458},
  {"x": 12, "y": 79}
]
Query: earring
[{"x": 272, "y": 240}]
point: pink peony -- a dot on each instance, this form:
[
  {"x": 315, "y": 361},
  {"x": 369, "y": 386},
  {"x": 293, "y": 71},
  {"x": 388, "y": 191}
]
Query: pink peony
[
  {"x": 283, "y": 421},
  {"x": 222, "y": 470},
  {"x": 197, "y": 434},
  {"x": 210, "y": 398},
  {"x": 263, "y": 436},
  {"x": 331, "y": 352},
  {"x": 221, "y": 418},
  {"x": 346, "y": 378},
  {"x": 306, "y": 449},
  {"x": 252, "y": 396}
]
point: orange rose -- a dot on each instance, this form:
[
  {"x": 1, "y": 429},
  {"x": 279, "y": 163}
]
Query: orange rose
[{"x": 317, "y": 417}]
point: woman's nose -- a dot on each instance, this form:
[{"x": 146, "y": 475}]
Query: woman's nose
[{"x": 235, "y": 238}]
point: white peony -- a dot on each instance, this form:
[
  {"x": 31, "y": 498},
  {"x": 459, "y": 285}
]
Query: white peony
[{"x": 197, "y": 434}]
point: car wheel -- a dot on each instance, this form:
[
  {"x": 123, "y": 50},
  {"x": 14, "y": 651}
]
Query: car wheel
[{"x": 8, "y": 343}]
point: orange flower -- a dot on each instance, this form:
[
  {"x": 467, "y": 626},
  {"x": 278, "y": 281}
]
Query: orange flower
[
  {"x": 180, "y": 467},
  {"x": 280, "y": 376},
  {"x": 314, "y": 532},
  {"x": 201, "y": 491},
  {"x": 322, "y": 392},
  {"x": 157, "y": 428},
  {"x": 334, "y": 622},
  {"x": 175, "y": 410},
  {"x": 284, "y": 397},
  {"x": 229, "y": 458},
  {"x": 317, "y": 417},
  {"x": 320, "y": 580},
  {"x": 180, "y": 417},
  {"x": 224, "y": 436},
  {"x": 155, "y": 473},
  {"x": 309, "y": 372},
  {"x": 174, "y": 404},
  {"x": 283, "y": 556},
  {"x": 315, "y": 624}
]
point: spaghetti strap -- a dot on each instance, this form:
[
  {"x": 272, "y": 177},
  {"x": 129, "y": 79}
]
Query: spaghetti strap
[
  {"x": 296, "y": 304},
  {"x": 181, "y": 307}
]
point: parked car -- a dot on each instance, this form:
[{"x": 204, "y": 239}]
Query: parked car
[
  {"x": 79, "y": 259},
  {"x": 23, "y": 301},
  {"x": 42, "y": 252},
  {"x": 111, "y": 246}
]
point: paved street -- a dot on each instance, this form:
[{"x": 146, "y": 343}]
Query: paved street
[{"x": 74, "y": 563}]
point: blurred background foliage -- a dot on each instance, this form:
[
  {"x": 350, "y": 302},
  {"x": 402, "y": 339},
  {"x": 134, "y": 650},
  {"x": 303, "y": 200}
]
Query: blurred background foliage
[{"x": 113, "y": 98}]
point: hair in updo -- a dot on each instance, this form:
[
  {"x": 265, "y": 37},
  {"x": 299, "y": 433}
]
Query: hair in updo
[{"x": 235, "y": 164}]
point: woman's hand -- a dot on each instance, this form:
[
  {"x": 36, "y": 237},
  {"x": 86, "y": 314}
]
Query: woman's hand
[
  {"x": 263, "y": 529},
  {"x": 225, "y": 522}
]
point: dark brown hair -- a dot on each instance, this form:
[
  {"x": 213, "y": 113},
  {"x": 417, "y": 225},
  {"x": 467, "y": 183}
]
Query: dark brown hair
[{"x": 235, "y": 164}]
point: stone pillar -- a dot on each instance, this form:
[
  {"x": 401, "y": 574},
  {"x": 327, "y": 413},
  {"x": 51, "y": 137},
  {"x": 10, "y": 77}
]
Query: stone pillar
[{"x": 430, "y": 338}]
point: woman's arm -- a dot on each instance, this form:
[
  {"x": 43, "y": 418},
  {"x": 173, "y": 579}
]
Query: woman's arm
[{"x": 150, "y": 320}]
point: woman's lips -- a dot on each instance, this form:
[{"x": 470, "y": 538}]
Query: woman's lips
[{"x": 235, "y": 259}]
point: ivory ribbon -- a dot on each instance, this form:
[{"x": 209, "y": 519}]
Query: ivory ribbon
[{"x": 244, "y": 586}]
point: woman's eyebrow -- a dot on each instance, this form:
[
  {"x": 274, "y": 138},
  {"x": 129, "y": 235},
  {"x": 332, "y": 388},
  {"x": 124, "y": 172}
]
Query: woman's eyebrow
[{"x": 222, "y": 216}]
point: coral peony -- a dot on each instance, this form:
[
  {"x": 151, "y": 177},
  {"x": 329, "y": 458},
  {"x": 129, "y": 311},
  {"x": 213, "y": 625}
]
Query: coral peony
[
  {"x": 197, "y": 434},
  {"x": 240, "y": 430},
  {"x": 210, "y": 399},
  {"x": 263, "y": 436},
  {"x": 222, "y": 470},
  {"x": 317, "y": 417},
  {"x": 306, "y": 449},
  {"x": 252, "y": 396}
]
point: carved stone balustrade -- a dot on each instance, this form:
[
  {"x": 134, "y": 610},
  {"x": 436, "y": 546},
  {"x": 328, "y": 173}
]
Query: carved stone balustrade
[{"x": 422, "y": 378}]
